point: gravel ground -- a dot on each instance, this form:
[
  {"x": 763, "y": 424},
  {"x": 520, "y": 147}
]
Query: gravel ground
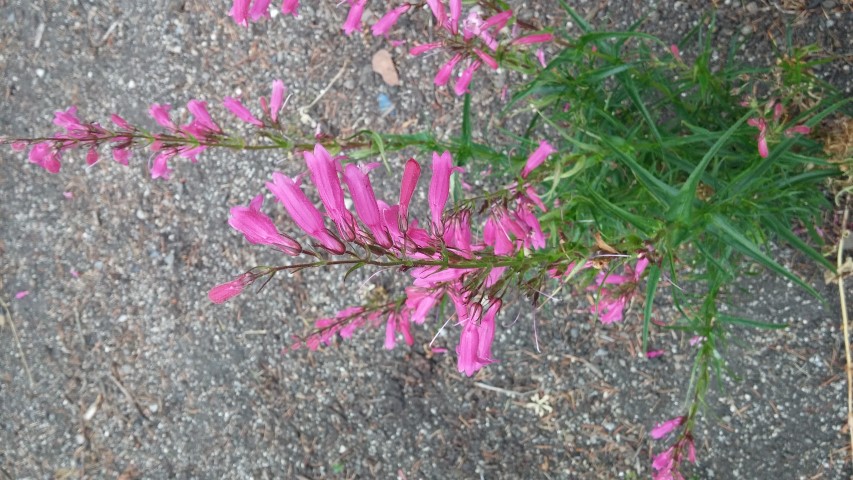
[{"x": 136, "y": 375}]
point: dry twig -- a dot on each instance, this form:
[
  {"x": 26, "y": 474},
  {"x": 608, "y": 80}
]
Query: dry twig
[
  {"x": 18, "y": 342},
  {"x": 845, "y": 327}
]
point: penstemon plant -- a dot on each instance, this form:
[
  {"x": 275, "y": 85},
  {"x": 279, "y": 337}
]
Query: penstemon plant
[{"x": 640, "y": 173}]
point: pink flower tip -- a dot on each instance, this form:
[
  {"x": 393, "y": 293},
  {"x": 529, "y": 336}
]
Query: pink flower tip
[
  {"x": 225, "y": 291},
  {"x": 663, "y": 429},
  {"x": 538, "y": 157},
  {"x": 535, "y": 38},
  {"x": 22, "y": 294},
  {"x": 654, "y": 353}
]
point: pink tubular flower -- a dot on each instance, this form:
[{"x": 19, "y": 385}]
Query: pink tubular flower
[
  {"x": 92, "y": 156},
  {"x": 234, "y": 106},
  {"x": 43, "y": 155},
  {"x": 365, "y": 203},
  {"x": 120, "y": 122},
  {"x": 464, "y": 80},
  {"x": 276, "y": 99},
  {"x": 324, "y": 175},
  {"x": 535, "y": 38},
  {"x": 778, "y": 110},
  {"x": 497, "y": 20},
  {"x": 259, "y": 229},
  {"x": 675, "y": 53},
  {"x": 443, "y": 75},
  {"x": 466, "y": 350},
  {"x": 424, "y": 47},
  {"x": 160, "y": 167},
  {"x": 540, "y": 55},
  {"x": 609, "y": 309},
  {"x": 801, "y": 129},
  {"x": 486, "y": 58},
  {"x": 160, "y": 113},
  {"x": 122, "y": 156},
  {"x": 762, "y": 146},
  {"x": 199, "y": 110},
  {"x": 390, "y": 330},
  {"x": 289, "y": 7},
  {"x": 240, "y": 12},
  {"x": 439, "y": 187},
  {"x": 761, "y": 125},
  {"x": 537, "y": 158},
  {"x": 303, "y": 212},
  {"x": 455, "y": 14},
  {"x": 438, "y": 11},
  {"x": 663, "y": 429},
  {"x": 664, "y": 462},
  {"x": 260, "y": 8},
  {"x": 22, "y": 294},
  {"x": 654, "y": 353},
  {"x": 225, "y": 291},
  {"x": 487, "y": 332},
  {"x": 68, "y": 120},
  {"x": 411, "y": 174},
  {"x": 353, "y": 21},
  {"x": 384, "y": 25}
]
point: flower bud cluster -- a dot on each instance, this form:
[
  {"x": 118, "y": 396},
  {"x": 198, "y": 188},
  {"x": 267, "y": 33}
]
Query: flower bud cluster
[
  {"x": 763, "y": 126},
  {"x": 447, "y": 259},
  {"x": 472, "y": 39},
  {"x": 182, "y": 141}
]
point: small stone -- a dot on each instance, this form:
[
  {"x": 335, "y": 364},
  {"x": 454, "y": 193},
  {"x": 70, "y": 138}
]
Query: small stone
[
  {"x": 131, "y": 84},
  {"x": 746, "y": 30},
  {"x": 40, "y": 72},
  {"x": 141, "y": 215},
  {"x": 829, "y": 4},
  {"x": 752, "y": 8}
]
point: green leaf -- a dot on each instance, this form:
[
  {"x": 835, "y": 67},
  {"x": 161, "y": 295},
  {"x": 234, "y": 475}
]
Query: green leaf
[
  {"x": 779, "y": 229},
  {"x": 651, "y": 286},
  {"x": 745, "y": 322},
  {"x": 737, "y": 240},
  {"x": 631, "y": 89},
  {"x": 643, "y": 224},
  {"x": 352, "y": 269},
  {"x": 682, "y": 209},
  {"x": 662, "y": 191},
  {"x": 582, "y": 23},
  {"x": 600, "y": 74},
  {"x": 380, "y": 146}
]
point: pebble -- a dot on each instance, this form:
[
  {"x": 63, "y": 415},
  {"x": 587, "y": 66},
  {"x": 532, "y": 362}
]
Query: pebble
[
  {"x": 829, "y": 4},
  {"x": 752, "y": 8},
  {"x": 40, "y": 72},
  {"x": 746, "y": 30},
  {"x": 141, "y": 215}
]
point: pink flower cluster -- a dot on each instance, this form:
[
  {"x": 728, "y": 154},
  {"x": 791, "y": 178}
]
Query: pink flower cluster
[
  {"x": 615, "y": 291},
  {"x": 429, "y": 254},
  {"x": 761, "y": 124},
  {"x": 667, "y": 463},
  {"x": 472, "y": 38},
  {"x": 184, "y": 141},
  {"x": 79, "y": 134}
]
